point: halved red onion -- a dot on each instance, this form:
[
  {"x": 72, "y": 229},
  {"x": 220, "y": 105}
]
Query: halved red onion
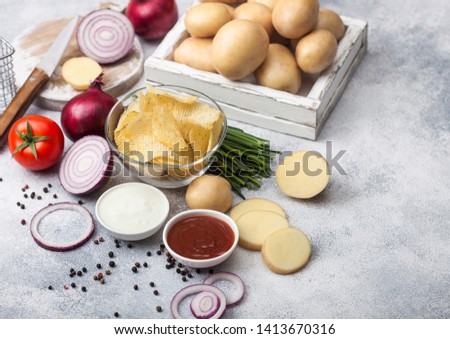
[
  {"x": 234, "y": 279},
  {"x": 61, "y": 247},
  {"x": 204, "y": 305},
  {"x": 86, "y": 165},
  {"x": 193, "y": 289},
  {"x": 105, "y": 35}
]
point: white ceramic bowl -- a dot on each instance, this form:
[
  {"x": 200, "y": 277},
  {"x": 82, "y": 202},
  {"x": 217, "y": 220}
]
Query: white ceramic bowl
[
  {"x": 129, "y": 201},
  {"x": 201, "y": 263}
]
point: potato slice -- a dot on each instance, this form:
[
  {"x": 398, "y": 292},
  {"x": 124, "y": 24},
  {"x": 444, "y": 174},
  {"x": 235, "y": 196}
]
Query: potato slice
[
  {"x": 286, "y": 251},
  {"x": 303, "y": 174},
  {"x": 255, "y": 226},
  {"x": 80, "y": 72},
  {"x": 256, "y": 204}
]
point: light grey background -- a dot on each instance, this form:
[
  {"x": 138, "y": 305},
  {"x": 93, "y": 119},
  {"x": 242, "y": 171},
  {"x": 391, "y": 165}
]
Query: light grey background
[{"x": 380, "y": 234}]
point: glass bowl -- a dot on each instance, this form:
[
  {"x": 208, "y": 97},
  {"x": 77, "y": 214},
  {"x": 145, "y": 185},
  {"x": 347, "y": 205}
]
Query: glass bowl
[{"x": 162, "y": 176}]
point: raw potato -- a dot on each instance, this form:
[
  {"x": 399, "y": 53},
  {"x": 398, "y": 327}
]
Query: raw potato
[
  {"x": 303, "y": 174},
  {"x": 255, "y": 12},
  {"x": 80, "y": 72},
  {"x": 239, "y": 48},
  {"x": 332, "y": 22},
  {"x": 279, "y": 70},
  {"x": 195, "y": 53},
  {"x": 256, "y": 204},
  {"x": 209, "y": 192},
  {"x": 294, "y": 18},
  {"x": 204, "y": 20},
  {"x": 316, "y": 51},
  {"x": 255, "y": 226},
  {"x": 286, "y": 251},
  {"x": 268, "y": 3}
]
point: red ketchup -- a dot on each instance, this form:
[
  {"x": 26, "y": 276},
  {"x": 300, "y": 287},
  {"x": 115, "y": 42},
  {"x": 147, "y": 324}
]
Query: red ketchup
[{"x": 200, "y": 237}]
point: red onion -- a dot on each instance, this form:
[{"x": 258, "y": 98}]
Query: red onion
[
  {"x": 204, "y": 305},
  {"x": 152, "y": 19},
  {"x": 52, "y": 246},
  {"x": 194, "y": 289},
  {"x": 105, "y": 35},
  {"x": 231, "y": 277},
  {"x": 86, "y": 113},
  {"x": 86, "y": 165}
]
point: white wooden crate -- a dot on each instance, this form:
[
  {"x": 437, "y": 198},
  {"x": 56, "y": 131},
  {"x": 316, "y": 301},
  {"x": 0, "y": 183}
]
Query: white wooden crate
[{"x": 302, "y": 114}]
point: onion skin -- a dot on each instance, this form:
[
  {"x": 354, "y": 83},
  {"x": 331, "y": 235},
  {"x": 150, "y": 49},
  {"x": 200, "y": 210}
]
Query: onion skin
[
  {"x": 86, "y": 113},
  {"x": 152, "y": 19}
]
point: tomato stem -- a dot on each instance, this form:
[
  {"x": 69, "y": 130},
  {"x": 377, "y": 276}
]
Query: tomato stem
[{"x": 29, "y": 140}]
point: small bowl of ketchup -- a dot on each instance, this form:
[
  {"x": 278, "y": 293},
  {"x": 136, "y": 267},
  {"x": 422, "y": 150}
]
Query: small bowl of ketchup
[{"x": 201, "y": 238}]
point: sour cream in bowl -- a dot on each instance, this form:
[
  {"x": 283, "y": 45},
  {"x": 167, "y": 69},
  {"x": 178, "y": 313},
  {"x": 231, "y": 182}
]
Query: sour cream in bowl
[
  {"x": 201, "y": 238},
  {"x": 132, "y": 211}
]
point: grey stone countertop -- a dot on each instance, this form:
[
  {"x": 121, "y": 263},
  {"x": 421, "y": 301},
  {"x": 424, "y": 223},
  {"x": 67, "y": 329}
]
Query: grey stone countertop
[{"x": 380, "y": 234}]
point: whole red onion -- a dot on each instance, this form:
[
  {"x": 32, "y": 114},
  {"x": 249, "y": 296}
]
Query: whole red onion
[
  {"x": 86, "y": 113},
  {"x": 152, "y": 19}
]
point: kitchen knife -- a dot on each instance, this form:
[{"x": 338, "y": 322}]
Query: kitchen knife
[{"x": 36, "y": 80}]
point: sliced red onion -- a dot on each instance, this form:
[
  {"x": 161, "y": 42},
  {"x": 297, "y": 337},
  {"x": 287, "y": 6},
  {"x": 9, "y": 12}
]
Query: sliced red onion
[
  {"x": 61, "y": 247},
  {"x": 234, "y": 279},
  {"x": 204, "y": 305},
  {"x": 105, "y": 35},
  {"x": 86, "y": 165},
  {"x": 193, "y": 289}
]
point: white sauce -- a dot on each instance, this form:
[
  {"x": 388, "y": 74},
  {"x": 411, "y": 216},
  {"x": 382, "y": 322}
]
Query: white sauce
[{"x": 132, "y": 208}]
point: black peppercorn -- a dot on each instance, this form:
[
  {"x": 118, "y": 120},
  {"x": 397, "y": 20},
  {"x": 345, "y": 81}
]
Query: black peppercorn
[
  {"x": 50, "y": 287},
  {"x": 145, "y": 264},
  {"x": 178, "y": 271},
  {"x": 99, "y": 266},
  {"x": 112, "y": 264},
  {"x": 22, "y": 206},
  {"x": 71, "y": 270},
  {"x": 45, "y": 190},
  {"x": 129, "y": 246},
  {"x": 149, "y": 254},
  {"x": 23, "y": 222},
  {"x": 162, "y": 246},
  {"x": 39, "y": 197},
  {"x": 111, "y": 254},
  {"x": 159, "y": 309},
  {"x": 158, "y": 252},
  {"x": 184, "y": 279},
  {"x": 168, "y": 267},
  {"x": 137, "y": 264},
  {"x": 116, "y": 314},
  {"x": 84, "y": 269},
  {"x": 80, "y": 202},
  {"x": 95, "y": 277},
  {"x": 25, "y": 196},
  {"x": 152, "y": 284},
  {"x": 169, "y": 260},
  {"x": 134, "y": 269},
  {"x": 49, "y": 185},
  {"x": 190, "y": 275},
  {"x": 73, "y": 285},
  {"x": 83, "y": 289},
  {"x": 117, "y": 245},
  {"x": 136, "y": 287},
  {"x": 180, "y": 265},
  {"x": 18, "y": 204},
  {"x": 155, "y": 292},
  {"x": 33, "y": 195},
  {"x": 79, "y": 273},
  {"x": 55, "y": 196},
  {"x": 23, "y": 189},
  {"x": 183, "y": 273}
]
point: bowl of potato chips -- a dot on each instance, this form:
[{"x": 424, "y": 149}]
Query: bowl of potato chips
[{"x": 166, "y": 136}]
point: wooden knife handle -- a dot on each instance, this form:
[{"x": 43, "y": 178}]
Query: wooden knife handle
[{"x": 22, "y": 100}]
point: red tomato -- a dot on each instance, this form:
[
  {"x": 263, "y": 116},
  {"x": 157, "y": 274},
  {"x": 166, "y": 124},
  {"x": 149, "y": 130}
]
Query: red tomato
[{"x": 37, "y": 142}]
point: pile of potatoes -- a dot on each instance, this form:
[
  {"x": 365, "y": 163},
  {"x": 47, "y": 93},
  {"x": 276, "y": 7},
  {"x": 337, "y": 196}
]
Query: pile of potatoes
[{"x": 274, "y": 39}]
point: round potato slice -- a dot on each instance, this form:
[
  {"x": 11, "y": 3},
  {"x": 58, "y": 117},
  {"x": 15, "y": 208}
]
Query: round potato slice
[
  {"x": 256, "y": 204},
  {"x": 304, "y": 174},
  {"x": 286, "y": 251},
  {"x": 255, "y": 226}
]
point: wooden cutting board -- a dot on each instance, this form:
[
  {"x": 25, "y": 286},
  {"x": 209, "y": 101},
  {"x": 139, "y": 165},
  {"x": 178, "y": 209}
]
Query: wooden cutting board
[{"x": 33, "y": 43}]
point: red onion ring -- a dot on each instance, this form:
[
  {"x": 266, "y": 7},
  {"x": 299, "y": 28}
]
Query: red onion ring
[
  {"x": 193, "y": 289},
  {"x": 49, "y": 245},
  {"x": 204, "y": 305},
  {"x": 231, "y": 277},
  {"x": 105, "y": 35}
]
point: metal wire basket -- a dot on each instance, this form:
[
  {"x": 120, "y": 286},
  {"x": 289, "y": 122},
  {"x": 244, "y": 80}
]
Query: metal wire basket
[{"x": 7, "y": 78}]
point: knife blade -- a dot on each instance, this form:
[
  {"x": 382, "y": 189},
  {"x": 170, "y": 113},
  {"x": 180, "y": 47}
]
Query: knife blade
[{"x": 39, "y": 76}]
